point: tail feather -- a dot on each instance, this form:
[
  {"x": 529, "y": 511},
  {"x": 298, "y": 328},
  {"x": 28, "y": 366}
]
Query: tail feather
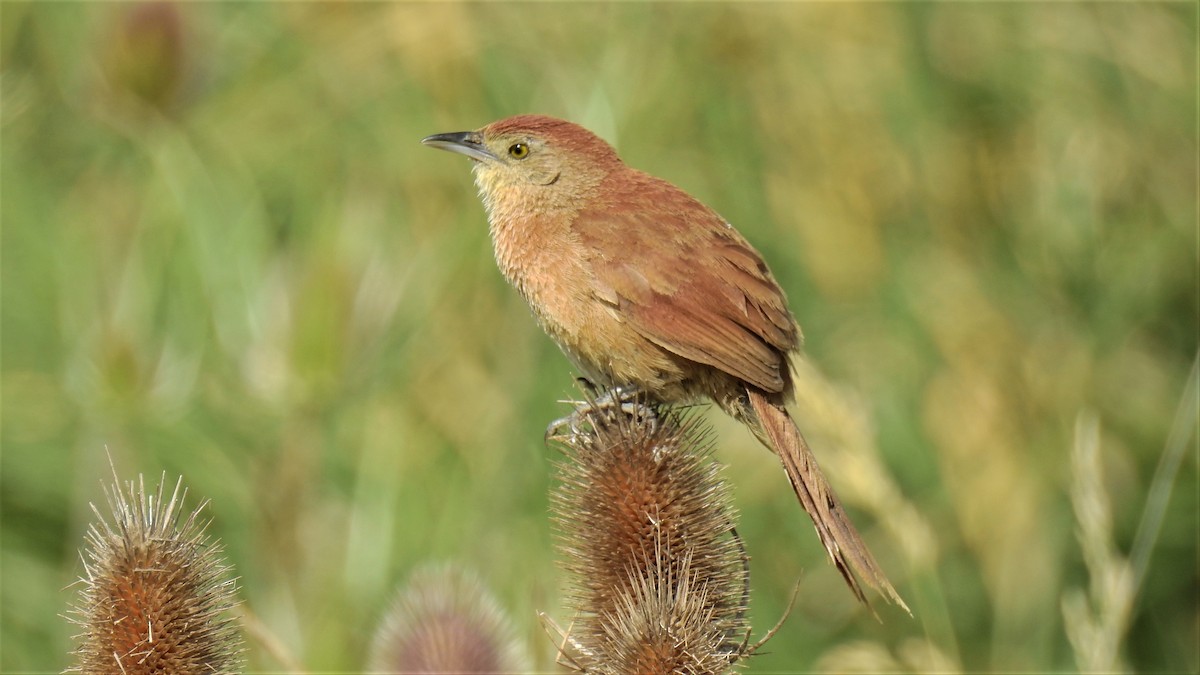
[{"x": 845, "y": 546}]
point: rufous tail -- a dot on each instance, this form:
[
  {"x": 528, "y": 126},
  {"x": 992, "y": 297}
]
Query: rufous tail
[{"x": 845, "y": 546}]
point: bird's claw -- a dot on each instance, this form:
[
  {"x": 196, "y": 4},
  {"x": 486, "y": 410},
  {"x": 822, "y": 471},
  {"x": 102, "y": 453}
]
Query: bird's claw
[
  {"x": 554, "y": 431},
  {"x": 629, "y": 401}
]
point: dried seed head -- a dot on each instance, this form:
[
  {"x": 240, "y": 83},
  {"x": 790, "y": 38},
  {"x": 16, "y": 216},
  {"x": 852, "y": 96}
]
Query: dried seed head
[
  {"x": 669, "y": 624},
  {"x": 658, "y": 579},
  {"x": 147, "y": 55},
  {"x": 445, "y": 621},
  {"x": 156, "y": 594}
]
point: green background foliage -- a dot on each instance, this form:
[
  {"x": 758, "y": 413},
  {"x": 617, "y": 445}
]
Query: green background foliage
[{"x": 226, "y": 256}]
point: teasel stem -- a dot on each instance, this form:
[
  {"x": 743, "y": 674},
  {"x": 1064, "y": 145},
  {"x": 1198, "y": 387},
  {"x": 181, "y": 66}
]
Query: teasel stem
[
  {"x": 658, "y": 578},
  {"x": 156, "y": 593}
]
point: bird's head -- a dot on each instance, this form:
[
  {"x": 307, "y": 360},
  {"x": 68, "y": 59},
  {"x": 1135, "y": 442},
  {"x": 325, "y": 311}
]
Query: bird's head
[{"x": 534, "y": 159}]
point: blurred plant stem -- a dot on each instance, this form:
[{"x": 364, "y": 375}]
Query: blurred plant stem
[
  {"x": 262, "y": 634},
  {"x": 1163, "y": 482}
]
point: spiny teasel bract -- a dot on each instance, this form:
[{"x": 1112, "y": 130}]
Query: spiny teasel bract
[
  {"x": 658, "y": 578},
  {"x": 156, "y": 595},
  {"x": 668, "y": 623},
  {"x": 445, "y": 621}
]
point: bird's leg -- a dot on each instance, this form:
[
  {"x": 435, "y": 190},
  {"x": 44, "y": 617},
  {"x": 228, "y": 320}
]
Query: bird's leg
[
  {"x": 554, "y": 430},
  {"x": 589, "y": 388}
]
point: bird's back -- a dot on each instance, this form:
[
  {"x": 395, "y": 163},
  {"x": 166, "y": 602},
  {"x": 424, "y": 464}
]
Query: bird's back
[{"x": 685, "y": 280}]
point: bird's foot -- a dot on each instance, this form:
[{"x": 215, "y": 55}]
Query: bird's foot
[
  {"x": 563, "y": 428},
  {"x": 626, "y": 400},
  {"x": 629, "y": 401}
]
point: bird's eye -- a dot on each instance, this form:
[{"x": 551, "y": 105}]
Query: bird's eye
[{"x": 518, "y": 151}]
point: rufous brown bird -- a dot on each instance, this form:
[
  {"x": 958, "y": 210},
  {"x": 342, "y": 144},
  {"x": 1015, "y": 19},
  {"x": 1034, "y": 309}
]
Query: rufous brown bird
[{"x": 644, "y": 287}]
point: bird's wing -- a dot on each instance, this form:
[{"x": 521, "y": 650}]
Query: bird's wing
[{"x": 687, "y": 281}]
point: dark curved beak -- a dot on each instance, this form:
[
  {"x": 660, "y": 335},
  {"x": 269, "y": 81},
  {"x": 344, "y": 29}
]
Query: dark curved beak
[{"x": 469, "y": 143}]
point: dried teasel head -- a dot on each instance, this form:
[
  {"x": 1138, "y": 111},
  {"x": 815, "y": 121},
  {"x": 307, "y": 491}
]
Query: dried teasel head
[
  {"x": 658, "y": 578},
  {"x": 156, "y": 595},
  {"x": 445, "y": 621}
]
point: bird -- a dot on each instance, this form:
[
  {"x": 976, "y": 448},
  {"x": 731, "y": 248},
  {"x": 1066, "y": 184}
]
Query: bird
[{"x": 646, "y": 289}]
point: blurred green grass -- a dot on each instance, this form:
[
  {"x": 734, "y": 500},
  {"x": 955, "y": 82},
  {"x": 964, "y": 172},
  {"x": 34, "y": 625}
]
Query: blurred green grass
[{"x": 225, "y": 255}]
